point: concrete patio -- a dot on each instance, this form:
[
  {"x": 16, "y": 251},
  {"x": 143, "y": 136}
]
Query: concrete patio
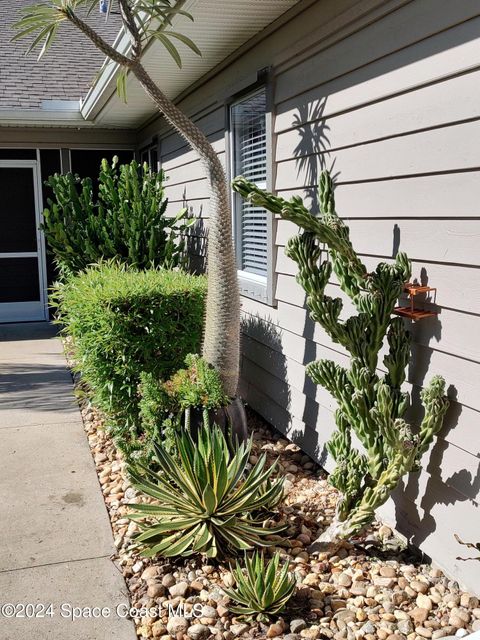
[{"x": 55, "y": 535}]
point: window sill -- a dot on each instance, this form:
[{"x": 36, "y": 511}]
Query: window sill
[{"x": 255, "y": 287}]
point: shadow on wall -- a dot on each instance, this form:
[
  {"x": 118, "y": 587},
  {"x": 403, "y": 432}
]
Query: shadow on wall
[
  {"x": 312, "y": 148},
  {"x": 311, "y": 414},
  {"x": 196, "y": 244},
  {"x": 264, "y": 363},
  {"x": 266, "y": 385},
  {"x": 418, "y": 523},
  {"x": 311, "y": 157}
]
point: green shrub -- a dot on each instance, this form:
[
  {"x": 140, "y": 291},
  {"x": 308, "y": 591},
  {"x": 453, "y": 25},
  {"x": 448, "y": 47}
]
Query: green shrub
[
  {"x": 165, "y": 406},
  {"x": 124, "y": 322},
  {"x": 206, "y": 501},
  {"x": 126, "y": 221},
  {"x": 264, "y": 590}
]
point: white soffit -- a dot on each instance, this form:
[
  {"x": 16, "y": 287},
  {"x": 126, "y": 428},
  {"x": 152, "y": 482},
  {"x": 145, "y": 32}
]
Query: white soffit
[{"x": 219, "y": 28}]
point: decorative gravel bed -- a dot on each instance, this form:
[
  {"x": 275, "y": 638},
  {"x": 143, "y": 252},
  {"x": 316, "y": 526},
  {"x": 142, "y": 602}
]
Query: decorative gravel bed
[{"x": 376, "y": 589}]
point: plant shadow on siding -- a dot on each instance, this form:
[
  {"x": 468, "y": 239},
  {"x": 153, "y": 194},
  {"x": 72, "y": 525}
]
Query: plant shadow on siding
[
  {"x": 312, "y": 155},
  {"x": 263, "y": 360},
  {"x": 311, "y": 152},
  {"x": 264, "y": 370},
  {"x": 196, "y": 241},
  {"x": 462, "y": 485}
]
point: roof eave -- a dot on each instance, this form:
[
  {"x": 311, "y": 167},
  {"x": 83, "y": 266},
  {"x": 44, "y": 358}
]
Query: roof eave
[{"x": 105, "y": 85}]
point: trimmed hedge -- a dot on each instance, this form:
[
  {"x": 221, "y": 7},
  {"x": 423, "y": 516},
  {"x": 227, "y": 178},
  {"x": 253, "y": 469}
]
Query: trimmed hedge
[{"x": 123, "y": 323}]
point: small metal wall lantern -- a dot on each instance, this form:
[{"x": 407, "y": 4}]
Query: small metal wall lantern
[{"x": 413, "y": 289}]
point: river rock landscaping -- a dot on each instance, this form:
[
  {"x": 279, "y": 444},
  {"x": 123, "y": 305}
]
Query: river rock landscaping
[{"x": 377, "y": 588}]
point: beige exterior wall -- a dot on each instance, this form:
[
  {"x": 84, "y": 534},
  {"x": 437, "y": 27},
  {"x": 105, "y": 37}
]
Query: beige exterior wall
[{"x": 388, "y": 94}]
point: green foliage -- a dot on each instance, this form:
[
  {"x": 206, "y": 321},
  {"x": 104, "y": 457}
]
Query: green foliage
[
  {"x": 206, "y": 502},
  {"x": 198, "y": 385},
  {"x": 263, "y": 590},
  {"x": 370, "y": 405},
  {"x": 127, "y": 221},
  {"x": 42, "y": 20},
  {"x": 165, "y": 406},
  {"x": 124, "y": 322},
  {"x": 158, "y": 423}
]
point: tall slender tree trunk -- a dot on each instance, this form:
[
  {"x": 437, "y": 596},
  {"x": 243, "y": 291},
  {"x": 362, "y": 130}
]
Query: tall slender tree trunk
[{"x": 221, "y": 343}]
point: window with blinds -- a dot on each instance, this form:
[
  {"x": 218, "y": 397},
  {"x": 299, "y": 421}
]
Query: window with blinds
[{"x": 249, "y": 159}]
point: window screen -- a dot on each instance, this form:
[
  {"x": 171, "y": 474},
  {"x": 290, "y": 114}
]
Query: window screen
[{"x": 249, "y": 158}]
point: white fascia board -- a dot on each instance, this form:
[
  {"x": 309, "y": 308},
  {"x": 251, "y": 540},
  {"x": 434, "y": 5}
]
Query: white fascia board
[{"x": 102, "y": 89}]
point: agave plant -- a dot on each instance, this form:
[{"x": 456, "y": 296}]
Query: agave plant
[
  {"x": 206, "y": 501},
  {"x": 264, "y": 589}
]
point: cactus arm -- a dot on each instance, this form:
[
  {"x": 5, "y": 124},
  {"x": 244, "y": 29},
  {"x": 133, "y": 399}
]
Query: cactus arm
[
  {"x": 399, "y": 353},
  {"x": 436, "y": 404},
  {"x": 368, "y": 406},
  {"x": 330, "y": 229},
  {"x": 348, "y": 267},
  {"x": 373, "y": 497},
  {"x": 352, "y": 467},
  {"x": 405, "y": 450}
]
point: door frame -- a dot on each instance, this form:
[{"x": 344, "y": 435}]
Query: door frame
[{"x": 30, "y": 309}]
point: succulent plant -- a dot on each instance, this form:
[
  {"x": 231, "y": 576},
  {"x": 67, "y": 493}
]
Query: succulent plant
[
  {"x": 206, "y": 501},
  {"x": 263, "y": 590},
  {"x": 165, "y": 406},
  {"x": 371, "y": 406},
  {"x": 127, "y": 221}
]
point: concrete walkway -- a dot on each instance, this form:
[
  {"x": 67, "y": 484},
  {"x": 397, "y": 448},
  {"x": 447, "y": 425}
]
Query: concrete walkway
[{"x": 55, "y": 535}]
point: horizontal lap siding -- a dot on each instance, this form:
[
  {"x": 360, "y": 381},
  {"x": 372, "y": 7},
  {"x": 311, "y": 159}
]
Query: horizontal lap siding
[
  {"x": 446, "y": 278},
  {"x": 386, "y": 94},
  {"x": 449, "y": 149},
  {"x": 412, "y": 45},
  {"x": 297, "y": 350},
  {"x": 445, "y": 240},
  {"x": 435, "y": 196},
  {"x": 408, "y": 179}
]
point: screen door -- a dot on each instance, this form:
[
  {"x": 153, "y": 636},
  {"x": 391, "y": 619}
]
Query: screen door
[{"x": 22, "y": 255}]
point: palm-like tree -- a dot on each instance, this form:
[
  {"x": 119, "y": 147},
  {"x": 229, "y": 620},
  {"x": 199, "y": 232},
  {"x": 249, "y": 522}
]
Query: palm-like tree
[{"x": 144, "y": 20}]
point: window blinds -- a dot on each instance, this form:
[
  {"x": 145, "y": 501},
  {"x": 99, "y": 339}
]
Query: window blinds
[{"x": 250, "y": 160}]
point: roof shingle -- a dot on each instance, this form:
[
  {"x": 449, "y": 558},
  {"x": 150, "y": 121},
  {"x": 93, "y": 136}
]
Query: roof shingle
[{"x": 65, "y": 73}]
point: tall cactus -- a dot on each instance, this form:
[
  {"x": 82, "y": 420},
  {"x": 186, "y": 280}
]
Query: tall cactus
[
  {"x": 371, "y": 406},
  {"x": 127, "y": 221}
]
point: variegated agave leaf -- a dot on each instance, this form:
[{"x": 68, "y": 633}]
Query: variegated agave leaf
[
  {"x": 206, "y": 502},
  {"x": 263, "y": 589}
]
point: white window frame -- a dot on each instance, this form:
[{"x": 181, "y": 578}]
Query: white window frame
[
  {"x": 36, "y": 310},
  {"x": 152, "y": 146},
  {"x": 252, "y": 285}
]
